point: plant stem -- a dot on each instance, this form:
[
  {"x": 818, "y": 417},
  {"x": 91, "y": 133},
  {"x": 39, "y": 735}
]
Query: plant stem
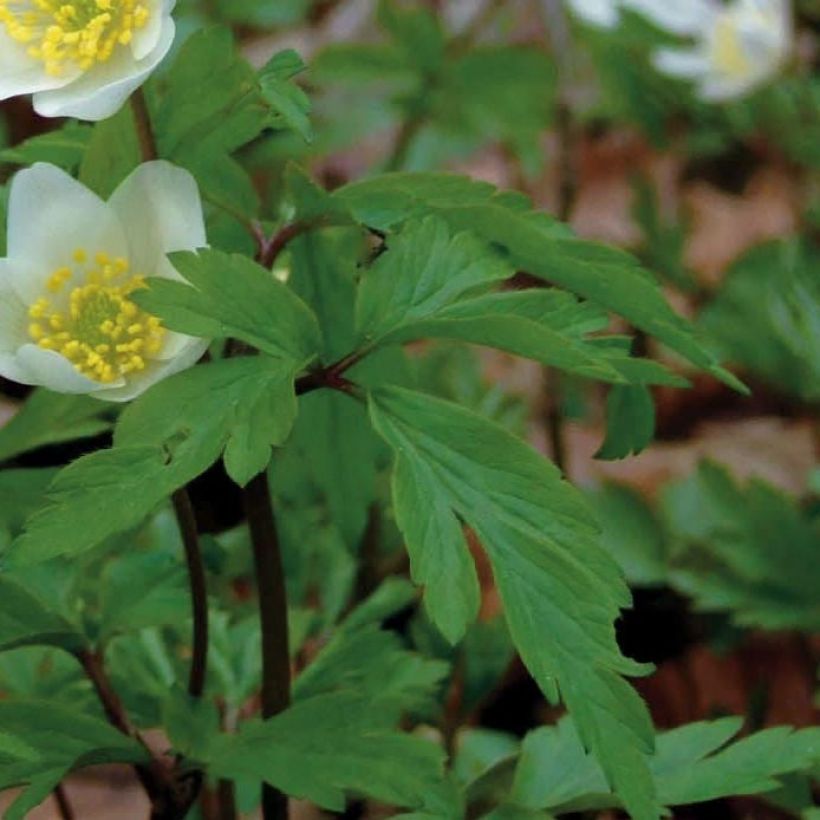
[
  {"x": 142, "y": 122},
  {"x": 63, "y": 803},
  {"x": 273, "y": 611},
  {"x": 199, "y": 591}
]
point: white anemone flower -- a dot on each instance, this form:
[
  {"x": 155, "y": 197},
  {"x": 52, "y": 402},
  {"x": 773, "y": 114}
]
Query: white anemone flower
[
  {"x": 81, "y": 58},
  {"x": 68, "y": 321},
  {"x": 744, "y": 44}
]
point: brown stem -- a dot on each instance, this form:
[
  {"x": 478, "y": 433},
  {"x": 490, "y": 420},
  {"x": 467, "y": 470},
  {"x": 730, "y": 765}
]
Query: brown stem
[
  {"x": 199, "y": 591},
  {"x": 142, "y": 122},
  {"x": 64, "y": 808},
  {"x": 273, "y": 612},
  {"x": 270, "y": 248}
]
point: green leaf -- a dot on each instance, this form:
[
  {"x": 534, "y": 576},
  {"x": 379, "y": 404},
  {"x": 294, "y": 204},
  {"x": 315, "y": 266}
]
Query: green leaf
[
  {"x": 363, "y": 658},
  {"x": 244, "y": 406},
  {"x": 285, "y": 97},
  {"x": 417, "y": 32},
  {"x": 51, "y": 418},
  {"x": 631, "y": 533},
  {"x": 100, "y": 494},
  {"x": 192, "y": 724},
  {"x": 561, "y": 591},
  {"x": 327, "y": 746},
  {"x": 25, "y": 620},
  {"x": 748, "y": 551},
  {"x": 63, "y": 147},
  {"x": 113, "y": 152},
  {"x": 534, "y": 243},
  {"x": 39, "y": 736},
  {"x": 21, "y": 493},
  {"x": 769, "y": 324},
  {"x": 630, "y": 422},
  {"x": 231, "y": 296}
]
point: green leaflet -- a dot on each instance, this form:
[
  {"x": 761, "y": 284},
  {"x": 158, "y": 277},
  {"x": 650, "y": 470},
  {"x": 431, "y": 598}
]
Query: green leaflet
[
  {"x": 630, "y": 422},
  {"x": 692, "y": 764},
  {"x": 561, "y": 591},
  {"x": 327, "y": 746},
  {"x": 172, "y": 434},
  {"x": 63, "y": 147},
  {"x": 25, "y": 620},
  {"x": 231, "y": 296},
  {"x": 41, "y": 742},
  {"x": 245, "y": 405},
  {"x": 285, "y": 97},
  {"x": 51, "y": 418},
  {"x": 535, "y": 243}
]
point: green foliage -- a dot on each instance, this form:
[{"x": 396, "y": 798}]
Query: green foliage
[
  {"x": 41, "y": 742},
  {"x": 765, "y": 318},
  {"x": 692, "y": 764},
  {"x": 234, "y": 297},
  {"x": 748, "y": 551},
  {"x": 51, "y": 418},
  {"x": 630, "y": 422},
  {"x": 327, "y": 746},
  {"x": 561, "y": 592},
  {"x": 63, "y": 147}
]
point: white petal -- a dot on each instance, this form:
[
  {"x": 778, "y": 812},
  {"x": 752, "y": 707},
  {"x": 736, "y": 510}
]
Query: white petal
[
  {"x": 684, "y": 17},
  {"x": 22, "y": 74},
  {"x": 13, "y": 313},
  {"x": 602, "y": 13},
  {"x": 719, "y": 88},
  {"x": 146, "y": 39},
  {"x": 50, "y": 215},
  {"x": 51, "y": 370},
  {"x": 101, "y": 91},
  {"x": 155, "y": 372},
  {"x": 681, "y": 63},
  {"x": 160, "y": 208}
]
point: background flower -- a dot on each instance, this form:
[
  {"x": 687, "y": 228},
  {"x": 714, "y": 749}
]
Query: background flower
[
  {"x": 743, "y": 46},
  {"x": 81, "y": 58},
  {"x": 66, "y": 319}
]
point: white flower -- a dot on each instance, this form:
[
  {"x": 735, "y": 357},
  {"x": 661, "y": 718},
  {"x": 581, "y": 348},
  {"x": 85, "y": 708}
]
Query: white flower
[
  {"x": 81, "y": 58},
  {"x": 67, "y": 319},
  {"x": 674, "y": 16},
  {"x": 743, "y": 45}
]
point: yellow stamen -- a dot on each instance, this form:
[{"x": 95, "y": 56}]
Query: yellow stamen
[{"x": 85, "y": 324}]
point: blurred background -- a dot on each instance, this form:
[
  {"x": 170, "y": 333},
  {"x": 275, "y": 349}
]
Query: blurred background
[{"x": 688, "y": 134}]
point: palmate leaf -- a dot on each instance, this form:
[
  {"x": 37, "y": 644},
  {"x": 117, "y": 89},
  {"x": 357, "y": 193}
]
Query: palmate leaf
[
  {"x": 166, "y": 438},
  {"x": 231, "y": 296},
  {"x": 41, "y": 742},
  {"x": 561, "y": 591},
  {"x": 535, "y": 243},
  {"x": 691, "y": 764},
  {"x": 326, "y": 746},
  {"x": 432, "y": 282}
]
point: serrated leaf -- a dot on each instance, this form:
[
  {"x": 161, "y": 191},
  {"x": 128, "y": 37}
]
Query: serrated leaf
[
  {"x": 749, "y": 551},
  {"x": 245, "y": 406},
  {"x": 192, "y": 723},
  {"x": 560, "y": 590},
  {"x": 630, "y": 422},
  {"x": 328, "y": 746},
  {"x": 285, "y": 97},
  {"x": 25, "y": 620},
  {"x": 535, "y": 243},
  {"x": 51, "y": 418},
  {"x": 113, "y": 152},
  {"x": 231, "y": 296}
]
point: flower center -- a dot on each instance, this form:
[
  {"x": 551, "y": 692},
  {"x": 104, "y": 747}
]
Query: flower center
[
  {"x": 728, "y": 53},
  {"x": 72, "y": 33},
  {"x": 94, "y": 324}
]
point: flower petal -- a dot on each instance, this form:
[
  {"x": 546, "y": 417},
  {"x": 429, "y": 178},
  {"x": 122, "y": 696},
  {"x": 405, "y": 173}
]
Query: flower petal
[
  {"x": 50, "y": 369},
  {"x": 101, "y": 91},
  {"x": 50, "y": 215},
  {"x": 679, "y": 62},
  {"x": 13, "y": 313},
  {"x": 155, "y": 372},
  {"x": 21, "y": 74},
  {"x": 602, "y": 13},
  {"x": 684, "y": 17},
  {"x": 146, "y": 39},
  {"x": 160, "y": 207}
]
